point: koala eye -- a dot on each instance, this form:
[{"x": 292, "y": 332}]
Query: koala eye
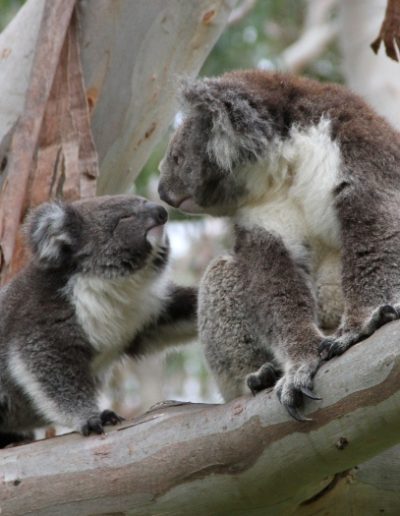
[
  {"x": 127, "y": 219},
  {"x": 177, "y": 159}
]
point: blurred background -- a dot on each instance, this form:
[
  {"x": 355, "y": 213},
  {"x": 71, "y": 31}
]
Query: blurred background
[{"x": 325, "y": 39}]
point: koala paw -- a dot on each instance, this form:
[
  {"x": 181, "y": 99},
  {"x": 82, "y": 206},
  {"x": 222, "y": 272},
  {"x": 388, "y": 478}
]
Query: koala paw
[
  {"x": 337, "y": 345},
  {"x": 293, "y": 387},
  {"x": 94, "y": 425},
  {"x": 108, "y": 417},
  {"x": 262, "y": 379}
]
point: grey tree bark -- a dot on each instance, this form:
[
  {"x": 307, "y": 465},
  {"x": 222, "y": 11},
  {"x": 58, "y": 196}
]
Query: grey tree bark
[{"x": 245, "y": 457}]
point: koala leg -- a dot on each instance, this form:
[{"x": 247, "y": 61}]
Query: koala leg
[
  {"x": 61, "y": 386},
  {"x": 238, "y": 358},
  {"x": 370, "y": 267},
  {"x": 257, "y": 311},
  {"x": 282, "y": 305}
]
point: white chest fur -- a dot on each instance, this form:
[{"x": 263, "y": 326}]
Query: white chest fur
[
  {"x": 112, "y": 311},
  {"x": 298, "y": 179}
]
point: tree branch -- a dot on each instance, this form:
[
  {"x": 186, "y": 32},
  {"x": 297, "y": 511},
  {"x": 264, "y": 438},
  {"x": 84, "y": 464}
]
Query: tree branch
[
  {"x": 308, "y": 47},
  {"x": 241, "y": 11},
  {"x": 317, "y": 33},
  {"x": 245, "y": 457}
]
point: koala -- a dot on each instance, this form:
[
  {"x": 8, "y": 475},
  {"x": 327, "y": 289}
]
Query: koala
[
  {"x": 95, "y": 289},
  {"x": 309, "y": 177}
]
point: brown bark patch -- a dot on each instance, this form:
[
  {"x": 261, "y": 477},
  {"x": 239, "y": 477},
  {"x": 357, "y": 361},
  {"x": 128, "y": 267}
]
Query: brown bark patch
[
  {"x": 51, "y": 152},
  {"x": 390, "y": 31}
]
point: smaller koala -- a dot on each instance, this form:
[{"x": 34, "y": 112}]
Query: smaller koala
[{"x": 96, "y": 289}]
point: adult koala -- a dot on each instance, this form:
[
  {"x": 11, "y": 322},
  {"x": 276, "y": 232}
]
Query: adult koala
[
  {"x": 96, "y": 289},
  {"x": 309, "y": 176}
]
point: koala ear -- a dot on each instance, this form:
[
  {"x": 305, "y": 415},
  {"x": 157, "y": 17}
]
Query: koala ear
[
  {"x": 238, "y": 128},
  {"x": 51, "y": 231}
]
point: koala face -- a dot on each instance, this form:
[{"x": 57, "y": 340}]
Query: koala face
[
  {"x": 106, "y": 236},
  {"x": 224, "y": 129},
  {"x": 190, "y": 179}
]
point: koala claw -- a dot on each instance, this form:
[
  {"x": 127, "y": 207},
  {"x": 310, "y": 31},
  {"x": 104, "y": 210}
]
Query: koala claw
[
  {"x": 309, "y": 393},
  {"x": 291, "y": 407},
  {"x": 109, "y": 417},
  {"x": 298, "y": 416},
  {"x": 382, "y": 315},
  {"x": 295, "y": 386}
]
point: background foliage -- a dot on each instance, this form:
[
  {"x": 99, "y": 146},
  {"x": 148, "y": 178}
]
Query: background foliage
[{"x": 8, "y": 8}]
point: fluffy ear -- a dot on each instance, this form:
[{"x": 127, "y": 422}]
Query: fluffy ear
[
  {"x": 51, "y": 231},
  {"x": 239, "y": 130}
]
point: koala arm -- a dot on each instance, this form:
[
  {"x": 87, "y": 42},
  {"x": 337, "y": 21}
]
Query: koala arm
[
  {"x": 176, "y": 323},
  {"x": 369, "y": 261},
  {"x": 58, "y": 379}
]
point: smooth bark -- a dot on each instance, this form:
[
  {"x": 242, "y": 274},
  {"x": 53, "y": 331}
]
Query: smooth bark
[{"x": 245, "y": 457}]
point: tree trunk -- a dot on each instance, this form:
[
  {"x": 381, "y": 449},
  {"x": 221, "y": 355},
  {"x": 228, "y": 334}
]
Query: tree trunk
[
  {"x": 375, "y": 77},
  {"x": 245, "y": 457},
  {"x": 133, "y": 54}
]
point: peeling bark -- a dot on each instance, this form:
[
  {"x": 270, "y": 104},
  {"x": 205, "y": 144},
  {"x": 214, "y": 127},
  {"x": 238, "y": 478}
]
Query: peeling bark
[
  {"x": 51, "y": 153},
  {"x": 389, "y": 33},
  {"x": 375, "y": 77},
  {"x": 245, "y": 457},
  {"x": 13, "y": 195}
]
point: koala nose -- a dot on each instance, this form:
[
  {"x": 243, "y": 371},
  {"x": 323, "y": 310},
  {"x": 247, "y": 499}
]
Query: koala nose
[
  {"x": 162, "y": 192},
  {"x": 159, "y": 214}
]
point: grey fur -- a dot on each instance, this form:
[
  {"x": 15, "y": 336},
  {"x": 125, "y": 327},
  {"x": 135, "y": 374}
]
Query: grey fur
[
  {"x": 47, "y": 357},
  {"x": 258, "y": 311}
]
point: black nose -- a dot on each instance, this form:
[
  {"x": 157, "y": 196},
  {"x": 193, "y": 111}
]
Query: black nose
[
  {"x": 162, "y": 192},
  {"x": 159, "y": 214}
]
